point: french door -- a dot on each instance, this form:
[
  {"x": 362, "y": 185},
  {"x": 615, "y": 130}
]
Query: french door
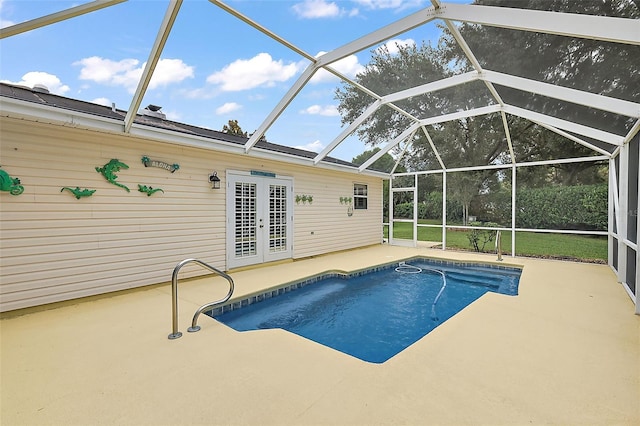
[{"x": 259, "y": 219}]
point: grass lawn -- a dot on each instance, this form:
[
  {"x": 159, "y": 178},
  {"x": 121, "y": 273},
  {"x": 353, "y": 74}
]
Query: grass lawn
[{"x": 564, "y": 246}]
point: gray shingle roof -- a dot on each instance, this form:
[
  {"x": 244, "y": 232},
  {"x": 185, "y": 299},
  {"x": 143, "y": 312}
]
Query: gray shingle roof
[{"x": 57, "y": 101}]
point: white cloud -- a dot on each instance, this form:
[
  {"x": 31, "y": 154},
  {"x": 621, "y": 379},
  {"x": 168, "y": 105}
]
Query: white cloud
[
  {"x": 52, "y": 82},
  {"x": 256, "y": 97},
  {"x": 169, "y": 71},
  {"x": 4, "y": 22},
  {"x": 200, "y": 93},
  {"x": 127, "y": 73},
  {"x": 393, "y": 45},
  {"x": 349, "y": 66},
  {"x": 102, "y": 101},
  {"x": 327, "y": 110},
  {"x": 389, "y": 4},
  {"x": 259, "y": 71},
  {"x": 312, "y": 9},
  {"x": 315, "y": 146},
  {"x": 173, "y": 115},
  {"x": 227, "y": 108}
]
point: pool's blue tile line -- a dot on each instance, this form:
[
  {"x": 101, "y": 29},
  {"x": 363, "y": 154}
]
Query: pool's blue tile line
[{"x": 301, "y": 283}]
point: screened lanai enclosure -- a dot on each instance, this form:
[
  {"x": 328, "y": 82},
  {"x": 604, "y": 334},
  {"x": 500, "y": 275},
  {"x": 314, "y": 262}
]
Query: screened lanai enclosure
[{"x": 504, "y": 118}]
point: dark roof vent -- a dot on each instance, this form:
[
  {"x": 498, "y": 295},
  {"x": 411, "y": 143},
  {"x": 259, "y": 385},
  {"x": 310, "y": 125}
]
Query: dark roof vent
[
  {"x": 154, "y": 111},
  {"x": 40, "y": 88}
]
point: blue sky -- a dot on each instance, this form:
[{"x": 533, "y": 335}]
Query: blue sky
[{"x": 214, "y": 68}]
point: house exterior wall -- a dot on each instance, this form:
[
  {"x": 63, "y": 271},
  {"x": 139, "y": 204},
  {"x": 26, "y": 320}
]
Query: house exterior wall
[{"x": 55, "y": 247}]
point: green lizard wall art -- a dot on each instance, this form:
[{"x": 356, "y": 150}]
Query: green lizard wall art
[
  {"x": 12, "y": 185},
  {"x": 109, "y": 172},
  {"x": 148, "y": 190},
  {"x": 79, "y": 193}
]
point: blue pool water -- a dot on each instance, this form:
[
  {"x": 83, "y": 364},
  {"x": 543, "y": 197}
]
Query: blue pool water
[{"x": 375, "y": 315}]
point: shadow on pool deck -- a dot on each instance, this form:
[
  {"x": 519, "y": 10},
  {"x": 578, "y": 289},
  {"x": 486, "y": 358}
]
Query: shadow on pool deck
[{"x": 566, "y": 350}]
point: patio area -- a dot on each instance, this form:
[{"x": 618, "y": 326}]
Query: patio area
[{"x": 565, "y": 351}]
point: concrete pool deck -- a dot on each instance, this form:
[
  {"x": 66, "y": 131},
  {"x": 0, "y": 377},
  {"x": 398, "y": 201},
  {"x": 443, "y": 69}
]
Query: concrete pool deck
[{"x": 565, "y": 351}]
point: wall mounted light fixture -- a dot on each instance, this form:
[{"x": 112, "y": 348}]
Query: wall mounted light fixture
[{"x": 215, "y": 180}]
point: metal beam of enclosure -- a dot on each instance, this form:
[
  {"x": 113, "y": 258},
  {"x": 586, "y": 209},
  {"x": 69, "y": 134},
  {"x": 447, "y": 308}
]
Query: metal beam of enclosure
[
  {"x": 57, "y": 17},
  {"x": 154, "y": 57},
  {"x": 591, "y": 100},
  {"x": 346, "y": 132},
  {"x": 385, "y": 33},
  {"x": 565, "y": 125},
  {"x": 616, "y": 30},
  {"x": 622, "y": 160},
  {"x": 508, "y": 166},
  {"x": 404, "y": 135}
]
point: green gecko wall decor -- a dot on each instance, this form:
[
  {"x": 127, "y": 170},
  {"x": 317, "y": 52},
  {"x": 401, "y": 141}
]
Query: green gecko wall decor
[
  {"x": 148, "y": 190},
  {"x": 9, "y": 184},
  {"x": 79, "y": 193},
  {"x": 109, "y": 172}
]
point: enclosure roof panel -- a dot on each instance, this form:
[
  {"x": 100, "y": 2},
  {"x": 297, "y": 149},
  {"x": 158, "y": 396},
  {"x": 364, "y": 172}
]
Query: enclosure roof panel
[{"x": 555, "y": 88}]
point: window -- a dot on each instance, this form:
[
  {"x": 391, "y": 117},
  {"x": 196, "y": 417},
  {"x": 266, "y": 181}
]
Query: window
[{"x": 359, "y": 196}]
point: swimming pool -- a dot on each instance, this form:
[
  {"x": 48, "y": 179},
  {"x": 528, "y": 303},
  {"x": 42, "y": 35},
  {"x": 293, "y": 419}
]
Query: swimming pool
[{"x": 373, "y": 314}]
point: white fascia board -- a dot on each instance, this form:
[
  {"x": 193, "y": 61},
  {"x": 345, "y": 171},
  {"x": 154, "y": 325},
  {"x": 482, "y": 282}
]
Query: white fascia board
[
  {"x": 346, "y": 132},
  {"x": 56, "y": 17},
  {"x": 591, "y": 100},
  {"x": 617, "y": 30},
  {"x": 565, "y": 125},
  {"x": 284, "y": 102},
  {"x": 182, "y": 139},
  {"x": 403, "y": 25},
  {"x": 461, "y": 114},
  {"x": 409, "y": 131},
  {"x": 152, "y": 61},
  {"x": 431, "y": 87},
  {"x": 15, "y": 108}
]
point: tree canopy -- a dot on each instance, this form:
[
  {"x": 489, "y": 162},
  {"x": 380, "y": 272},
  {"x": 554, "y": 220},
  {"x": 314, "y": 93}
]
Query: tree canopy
[
  {"x": 583, "y": 64},
  {"x": 382, "y": 164},
  {"x": 233, "y": 128}
]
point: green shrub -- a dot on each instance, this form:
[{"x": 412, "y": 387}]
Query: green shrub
[
  {"x": 430, "y": 208},
  {"x": 563, "y": 207},
  {"x": 479, "y": 238},
  {"x": 554, "y": 207}
]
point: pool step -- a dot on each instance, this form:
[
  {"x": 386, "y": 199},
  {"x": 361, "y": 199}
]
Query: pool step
[{"x": 473, "y": 279}]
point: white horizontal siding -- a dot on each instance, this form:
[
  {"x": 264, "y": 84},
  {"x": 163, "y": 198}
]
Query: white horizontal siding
[
  {"x": 54, "y": 247},
  {"x": 324, "y": 225}
]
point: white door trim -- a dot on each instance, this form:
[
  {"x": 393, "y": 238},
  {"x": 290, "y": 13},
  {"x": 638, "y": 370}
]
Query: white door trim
[{"x": 259, "y": 226}]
